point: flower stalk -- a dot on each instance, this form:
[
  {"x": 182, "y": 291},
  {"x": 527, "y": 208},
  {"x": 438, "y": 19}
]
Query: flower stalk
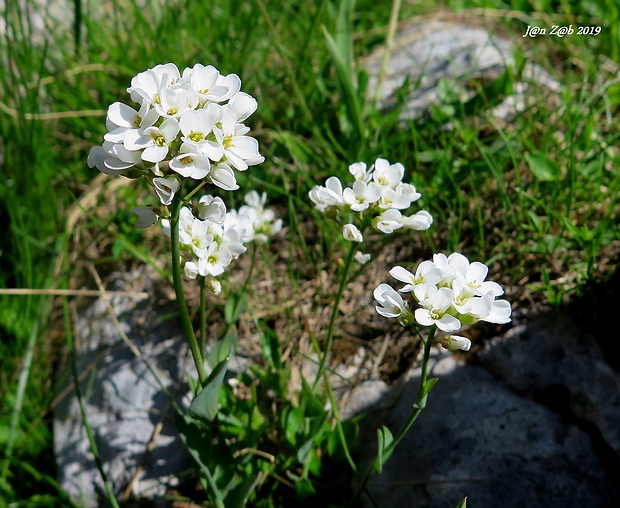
[
  {"x": 180, "y": 295},
  {"x": 419, "y": 405},
  {"x": 332, "y": 321}
]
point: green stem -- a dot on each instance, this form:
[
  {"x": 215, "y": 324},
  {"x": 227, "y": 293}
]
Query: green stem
[
  {"x": 202, "y": 313},
  {"x": 332, "y": 322},
  {"x": 421, "y": 402},
  {"x": 339, "y": 428},
  {"x": 417, "y": 409},
  {"x": 175, "y": 248}
]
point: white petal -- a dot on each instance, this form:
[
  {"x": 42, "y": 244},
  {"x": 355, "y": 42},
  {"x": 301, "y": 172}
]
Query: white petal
[
  {"x": 448, "y": 323},
  {"x": 403, "y": 275}
]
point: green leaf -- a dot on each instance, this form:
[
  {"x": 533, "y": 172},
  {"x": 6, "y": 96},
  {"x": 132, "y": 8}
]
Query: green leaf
[
  {"x": 385, "y": 440},
  {"x": 239, "y": 495},
  {"x": 270, "y": 345},
  {"x": 428, "y": 386},
  {"x": 294, "y": 423},
  {"x": 462, "y": 504},
  {"x": 308, "y": 399},
  {"x": 235, "y": 305},
  {"x": 335, "y": 449},
  {"x": 305, "y": 450},
  {"x": 226, "y": 346},
  {"x": 304, "y": 488},
  {"x": 542, "y": 167},
  {"x": 205, "y": 405},
  {"x": 216, "y": 466}
]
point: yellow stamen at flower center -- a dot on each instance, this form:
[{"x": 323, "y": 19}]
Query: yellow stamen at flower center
[
  {"x": 137, "y": 121},
  {"x": 188, "y": 159},
  {"x": 228, "y": 142},
  {"x": 158, "y": 139},
  {"x": 435, "y": 314},
  {"x": 204, "y": 92},
  {"x": 459, "y": 300},
  {"x": 383, "y": 180},
  {"x": 173, "y": 111},
  {"x": 212, "y": 259},
  {"x": 156, "y": 99},
  {"x": 196, "y": 136},
  {"x": 360, "y": 199}
]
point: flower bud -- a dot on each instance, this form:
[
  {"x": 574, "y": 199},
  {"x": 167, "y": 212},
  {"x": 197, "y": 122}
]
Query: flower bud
[{"x": 454, "y": 342}]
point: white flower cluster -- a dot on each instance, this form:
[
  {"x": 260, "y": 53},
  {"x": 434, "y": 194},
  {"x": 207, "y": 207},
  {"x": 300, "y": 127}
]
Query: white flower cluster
[
  {"x": 378, "y": 194},
  {"x": 213, "y": 237},
  {"x": 187, "y": 125},
  {"x": 450, "y": 292}
]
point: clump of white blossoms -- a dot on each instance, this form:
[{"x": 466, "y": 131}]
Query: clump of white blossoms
[
  {"x": 186, "y": 125},
  {"x": 376, "y": 197},
  {"x": 450, "y": 292},
  {"x": 212, "y": 237}
]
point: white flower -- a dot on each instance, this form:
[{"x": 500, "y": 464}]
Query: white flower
[
  {"x": 243, "y": 105},
  {"x": 214, "y": 262},
  {"x": 166, "y": 189},
  {"x": 409, "y": 190},
  {"x": 232, "y": 241},
  {"x": 174, "y": 103},
  {"x": 186, "y": 219},
  {"x": 359, "y": 172},
  {"x": 262, "y": 221},
  {"x": 388, "y": 221},
  {"x": 240, "y": 151},
  {"x": 211, "y": 209},
  {"x": 215, "y": 286},
  {"x": 190, "y": 163},
  {"x": 360, "y": 258},
  {"x": 241, "y": 223},
  {"x": 361, "y": 195},
  {"x": 419, "y": 221},
  {"x": 351, "y": 233},
  {"x": 500, "y": 312},
  {"x": 153, "y": 141},
  {"x": 255, "y": 200},
  {"x": 121, "y": 119},
  {"x": 386, "y": 174},
  {"x": 436, "y": 312},
  {"x": 328, "y": 196},
  {"x": 148, "y": 84},
  {"x": 191, "y": 269},
  {"x": 426, "y": 273},
  {"x": 223, "y": 176},
  {"x": 454, "y": 342},
  {"x": 393, "y": 198},
  {"x": 112, "y": 159},
  {"x": 210, "y": 85},
  {"x": 391, "y": 304},
  {"x": 146, "y": 216},
  {"x": 197, "y": 128},
  {"x": 201, "y": 238},
  {"x": 449, "y": 266},
  {"x": 474, "y": 277}
]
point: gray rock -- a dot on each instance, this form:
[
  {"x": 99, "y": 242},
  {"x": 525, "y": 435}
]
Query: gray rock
[
  {"x": 562, "y": 367},
  {"x": 125, "y": 403},
  {"x": 434, "y": 50},
  {"x": 479, "y": 439}
]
